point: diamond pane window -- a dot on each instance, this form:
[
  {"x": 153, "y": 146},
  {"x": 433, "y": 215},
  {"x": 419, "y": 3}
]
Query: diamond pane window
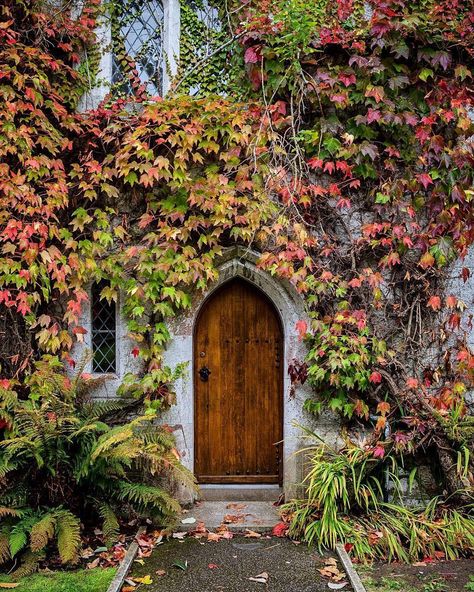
[
  {"x": 104, "y": 358},
  {"x": 138, "y": 33}
]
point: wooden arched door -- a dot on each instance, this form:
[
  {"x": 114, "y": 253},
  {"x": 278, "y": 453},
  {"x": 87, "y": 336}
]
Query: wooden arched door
[{"x": 238, "y": 378}]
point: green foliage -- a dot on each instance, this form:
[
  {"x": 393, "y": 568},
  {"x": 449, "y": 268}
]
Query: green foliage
[
  {"x": 204, "y": 50},
  {"x": 344, "y": 503},
  {"x": 90, "y": 580},
  {"x": 470, "y": 584},
  {"x": 64, "y": 461}
]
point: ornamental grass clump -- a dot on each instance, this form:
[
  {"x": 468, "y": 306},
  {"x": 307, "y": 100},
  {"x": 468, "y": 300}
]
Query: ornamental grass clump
[{"x": 345, "y": 503}]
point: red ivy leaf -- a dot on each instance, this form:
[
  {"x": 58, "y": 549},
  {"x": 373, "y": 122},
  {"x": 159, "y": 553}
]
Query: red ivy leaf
[
  {"x": 434, "y": 302},
  {"x": 251, "y": 55},
  {"x": 425, "y": 180},
  {"x": 302, "y": 328},
  {"x": 375, "y": 377}
]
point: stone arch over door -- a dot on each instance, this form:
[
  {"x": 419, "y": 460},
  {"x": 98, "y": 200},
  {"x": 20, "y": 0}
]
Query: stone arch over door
[{"x": 241, "y": 263}]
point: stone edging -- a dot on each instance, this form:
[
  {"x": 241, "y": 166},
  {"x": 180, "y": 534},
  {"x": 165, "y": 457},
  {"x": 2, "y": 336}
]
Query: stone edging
[
  {"x": 353, "y": 576},
  {"x": 125, "y": 564}
]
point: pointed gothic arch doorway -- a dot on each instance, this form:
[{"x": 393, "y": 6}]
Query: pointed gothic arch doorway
[{"x": 238, "y": 387}]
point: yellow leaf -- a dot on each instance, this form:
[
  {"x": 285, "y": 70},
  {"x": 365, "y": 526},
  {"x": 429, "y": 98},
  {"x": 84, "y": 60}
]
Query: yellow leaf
[
  {"x": 145, "y": 580},
  {"x": 8, "y": 585}
]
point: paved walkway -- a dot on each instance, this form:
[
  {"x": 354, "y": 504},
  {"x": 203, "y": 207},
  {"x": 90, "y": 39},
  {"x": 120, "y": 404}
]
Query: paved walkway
[{"x": 276, "y": 564}]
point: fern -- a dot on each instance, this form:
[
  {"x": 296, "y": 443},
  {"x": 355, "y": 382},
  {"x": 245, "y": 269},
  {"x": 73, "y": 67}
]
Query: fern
[
  {"x": 42, "y": 532},
  {"x": 68, "y": 532},
  {"x": 18, "y": 539},
  {"x": 6, "y": 466},
  {"x": 29, "y": 565},
  {"x": 4, "y": 548},
  {"x": 110, "y": 524},
  {"x": 60, "y": 438},
  {"x": 148, "y": 497},
  {"x": 8, "y": 512}
]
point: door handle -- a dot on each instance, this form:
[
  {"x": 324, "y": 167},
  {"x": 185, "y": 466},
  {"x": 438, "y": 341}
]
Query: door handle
[{"x": 204, "y": 373}]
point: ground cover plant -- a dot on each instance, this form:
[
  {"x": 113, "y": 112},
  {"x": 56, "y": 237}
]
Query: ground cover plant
[
  {"x": 91, "y": 580},
  {"x": 342, "y": 152}
]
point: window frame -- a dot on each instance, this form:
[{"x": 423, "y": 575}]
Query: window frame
[
  {"x": 171, "y": 41},
  {"x": 117, "y": 372}
]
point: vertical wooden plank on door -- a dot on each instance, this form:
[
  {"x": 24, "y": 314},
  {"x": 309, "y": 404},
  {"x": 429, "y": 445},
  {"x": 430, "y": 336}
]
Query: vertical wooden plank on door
[{"x": 239, "y": 407}]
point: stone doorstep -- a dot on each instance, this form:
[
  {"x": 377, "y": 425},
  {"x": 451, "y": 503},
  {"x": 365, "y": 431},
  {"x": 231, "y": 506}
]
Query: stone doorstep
[
  {"x": 257, "y": 516},
  {"x": 240, "y": 493}
]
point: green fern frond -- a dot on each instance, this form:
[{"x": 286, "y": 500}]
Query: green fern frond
[
  {"x": 18, "y": 539},
  {"x": 14, "y": 498},
  {"x": 68, "y": 532},
  {"x": 7, "y": 465},
  {"x": 110, "y": 525},
  {"x": 111, "y": 439},
  {"x": 42, "y": 532},
  {"x": 148, "y": 497},
  {"x": 100, "y": 409}
]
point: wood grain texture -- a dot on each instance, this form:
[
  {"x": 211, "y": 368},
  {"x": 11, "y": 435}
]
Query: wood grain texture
[{"x": 239, "y": 409}]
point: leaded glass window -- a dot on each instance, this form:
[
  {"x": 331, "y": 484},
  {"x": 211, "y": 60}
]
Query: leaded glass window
[
  {"x": 137, "y": 32},
  {"x": 104, "y": 332}
]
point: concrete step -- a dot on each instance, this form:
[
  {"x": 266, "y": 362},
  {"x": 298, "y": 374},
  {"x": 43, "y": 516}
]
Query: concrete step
[
  {"x": 236, "y": 515},
  {"x": 245, "y": 493}
]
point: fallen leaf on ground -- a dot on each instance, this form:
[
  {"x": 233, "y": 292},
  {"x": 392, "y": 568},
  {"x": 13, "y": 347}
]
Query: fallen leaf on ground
[
  {"x": 160, "y": 572},
  {"x": 330, "y": 570},
  {"x": 261, "y": 578},
  {"x": 179, "y": 535},
  {"x": 213, "y": 536},
  {"x": 144, "y": 580},
  {"x": 280, "y": 529},
  {"x": 181, "y": 564},
  {"x": 100, "y": 550},
  {"x": 188, "y": 520},
  {"x": 337, "y": 585},
  {"x": 140, "y": 561},
  {"x": 236, "y": 506},
  {"x": 212, "y": 566},
  {"x": 200, "y": 529},
  {"x": 128, "y": 589},
  {"x": 145, "y": 540},
  {"x": 251, "y": 534},
  {"x": 233, "y": 518},
  {"x": 224, "y": 532}
]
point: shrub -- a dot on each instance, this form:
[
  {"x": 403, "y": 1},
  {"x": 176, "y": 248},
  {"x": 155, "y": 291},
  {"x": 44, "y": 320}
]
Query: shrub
[{"x": 62, "y": 459}]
